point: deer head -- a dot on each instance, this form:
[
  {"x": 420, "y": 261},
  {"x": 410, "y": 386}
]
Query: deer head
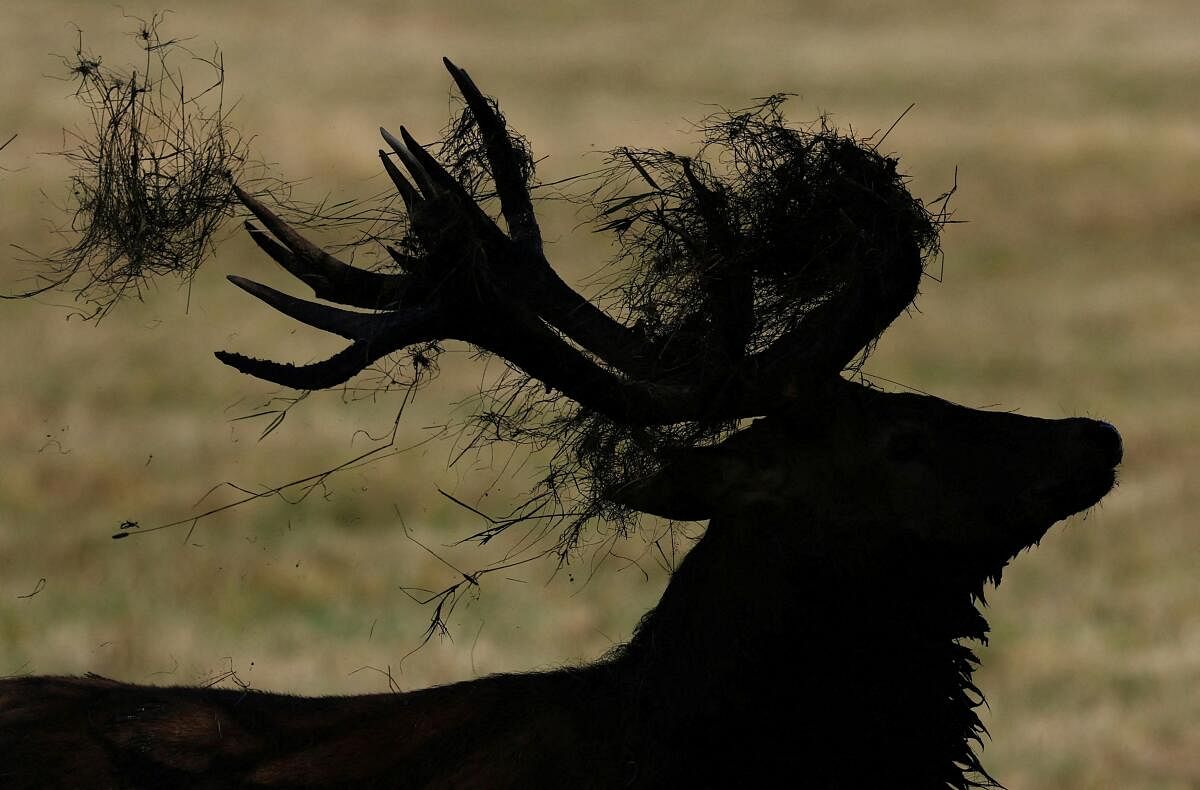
[{"x": 973, "y": 484}]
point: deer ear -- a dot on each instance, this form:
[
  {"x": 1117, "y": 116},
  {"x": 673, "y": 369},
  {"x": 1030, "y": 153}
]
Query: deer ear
[
  {"x": 697, "y": 483},
  {"x": 693, "y": 484}
]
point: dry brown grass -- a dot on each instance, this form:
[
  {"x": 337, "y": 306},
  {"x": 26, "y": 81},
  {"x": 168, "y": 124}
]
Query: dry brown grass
[{"x": 1073, "y": 290}]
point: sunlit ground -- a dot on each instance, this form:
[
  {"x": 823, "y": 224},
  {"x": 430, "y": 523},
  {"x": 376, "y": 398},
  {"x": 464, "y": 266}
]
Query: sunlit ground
[{"x": 1072, "y": 290}]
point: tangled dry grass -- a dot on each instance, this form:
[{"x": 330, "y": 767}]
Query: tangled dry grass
[{"x": 153, "y": 171}]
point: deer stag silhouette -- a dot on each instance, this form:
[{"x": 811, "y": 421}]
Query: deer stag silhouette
[{"x": 814, "y": 635}]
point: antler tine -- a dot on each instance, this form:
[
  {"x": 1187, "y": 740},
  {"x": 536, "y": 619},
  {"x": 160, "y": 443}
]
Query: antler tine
[
  {"x": 425, "y": 180},
  {"x": 331, "y": 372},
  {"x": 514, "y": 197},
  {"x": 328, "y": 277},
  {"x": 375, "y": 335},
  {"x": 348, "y": 324},
  {"x": 408, "y": 192}
]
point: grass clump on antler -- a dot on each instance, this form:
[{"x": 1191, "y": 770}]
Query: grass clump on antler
[
  {"x": 153, "y": 173},
  {"x": 804, "y": 215}
]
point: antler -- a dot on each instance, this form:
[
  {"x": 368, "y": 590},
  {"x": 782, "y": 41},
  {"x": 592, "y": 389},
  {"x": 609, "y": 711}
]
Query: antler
[{"x": 497, "y": 291}]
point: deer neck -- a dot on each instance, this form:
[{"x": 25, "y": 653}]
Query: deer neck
[{"x": 777, "y": 639}]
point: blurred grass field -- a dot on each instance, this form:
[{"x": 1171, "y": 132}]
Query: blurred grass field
[{"x": 1071, "y": 290}]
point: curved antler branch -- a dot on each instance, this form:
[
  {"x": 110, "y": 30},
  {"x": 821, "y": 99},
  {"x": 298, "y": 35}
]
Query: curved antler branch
[
  {"x": 496, "y": 291},
  {"x": 332, "y": 372}
]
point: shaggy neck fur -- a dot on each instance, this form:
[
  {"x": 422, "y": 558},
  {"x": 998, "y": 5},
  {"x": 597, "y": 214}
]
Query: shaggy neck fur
[{"x": 834, "y": 669}]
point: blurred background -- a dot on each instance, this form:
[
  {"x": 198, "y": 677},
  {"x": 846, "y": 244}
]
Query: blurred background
[{"x": 1071, "y": 289}]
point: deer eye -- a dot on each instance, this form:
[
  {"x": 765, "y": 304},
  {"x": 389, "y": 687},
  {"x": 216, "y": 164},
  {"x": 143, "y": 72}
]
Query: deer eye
[{"x": 906, "y": 445}]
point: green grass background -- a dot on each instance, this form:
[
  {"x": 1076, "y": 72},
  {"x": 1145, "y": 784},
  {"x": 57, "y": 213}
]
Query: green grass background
[{"x": 1072, "y": 290}]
